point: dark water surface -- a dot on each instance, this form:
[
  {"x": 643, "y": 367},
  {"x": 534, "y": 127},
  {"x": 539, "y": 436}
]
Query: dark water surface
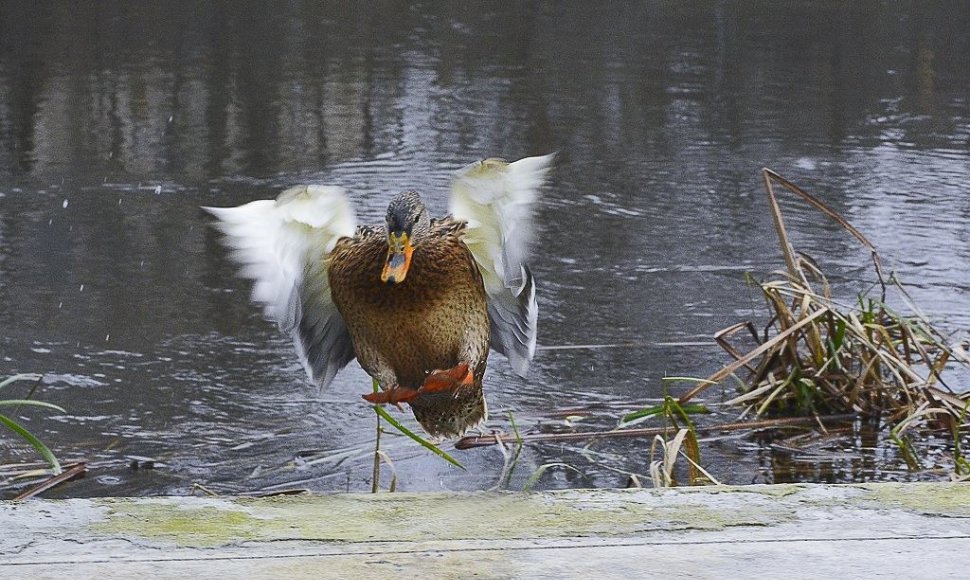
[{"x": 119, "y": 119}]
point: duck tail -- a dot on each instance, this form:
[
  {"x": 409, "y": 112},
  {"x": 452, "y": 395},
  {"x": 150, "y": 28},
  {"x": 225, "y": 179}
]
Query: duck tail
[{"x": 449, "y": 414}]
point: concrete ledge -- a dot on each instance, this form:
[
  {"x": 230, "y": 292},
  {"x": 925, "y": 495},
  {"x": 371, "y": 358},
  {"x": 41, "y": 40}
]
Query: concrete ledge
[{"x": 770, "y": 531}]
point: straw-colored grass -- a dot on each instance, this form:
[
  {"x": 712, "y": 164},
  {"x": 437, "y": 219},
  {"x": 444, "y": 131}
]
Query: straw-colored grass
[
  {"x": 818, "y": 363},
  {"x": 817, "y": 356}
]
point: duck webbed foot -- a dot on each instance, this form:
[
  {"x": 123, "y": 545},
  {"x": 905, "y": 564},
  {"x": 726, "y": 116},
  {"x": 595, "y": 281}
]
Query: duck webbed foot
[
  {"x": 395, "y": 396},
  {"x": 448, "y": 380},
  {"x": 437, "y": 383}
]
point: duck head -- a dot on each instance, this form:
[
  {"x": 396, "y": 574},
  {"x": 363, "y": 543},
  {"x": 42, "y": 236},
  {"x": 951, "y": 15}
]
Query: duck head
[{"x": 407, "y": 223}]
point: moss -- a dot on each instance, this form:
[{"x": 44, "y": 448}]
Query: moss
[
  {"x": 414, "y": 517},
  {"x": 202, "y": 526},
  {"x": 940, "y": 499}
]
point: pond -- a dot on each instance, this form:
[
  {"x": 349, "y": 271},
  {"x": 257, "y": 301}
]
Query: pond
[{"x": 119, "y": 120}]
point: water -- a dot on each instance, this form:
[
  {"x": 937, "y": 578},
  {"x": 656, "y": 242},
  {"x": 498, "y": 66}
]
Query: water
[{"x": 118, "y": 120}]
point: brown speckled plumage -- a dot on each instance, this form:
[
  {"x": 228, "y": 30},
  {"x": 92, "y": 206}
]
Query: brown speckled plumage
[
  {"x": 418, "y": 302},
  {"x": 435, "y": 319}
]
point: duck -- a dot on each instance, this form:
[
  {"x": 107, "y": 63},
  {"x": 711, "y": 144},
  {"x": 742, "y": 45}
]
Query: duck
[{"x": 418, "y": 301}]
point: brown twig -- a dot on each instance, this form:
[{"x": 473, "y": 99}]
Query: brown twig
[
  {"x": 492, "y": 439},
  {"x": 72, "y": 471}
]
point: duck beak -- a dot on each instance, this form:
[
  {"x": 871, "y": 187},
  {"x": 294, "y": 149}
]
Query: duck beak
[{"x": 399, "y": 252}]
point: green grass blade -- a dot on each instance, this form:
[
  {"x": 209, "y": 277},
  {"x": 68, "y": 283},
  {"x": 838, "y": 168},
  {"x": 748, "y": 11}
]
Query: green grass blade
[
  {"x": 420, "y": 440},
  {"x": 688, "y": 379},
  {"x": 693, "y": 408},
  {"x": 34, "y": 442},
  {"x": 642, "y": 413},
  {"x": 839, "y": 337},
  {"x": 674, "y": 407},
  {"x": 510, "y": 466},
  {"x": 515, "y": 430},
  {"x": 31, "y": 403},
  {"x": 534, "y": 479},
  {"x": 636, "y": 416},
  {"x": 20, "y": 377}
]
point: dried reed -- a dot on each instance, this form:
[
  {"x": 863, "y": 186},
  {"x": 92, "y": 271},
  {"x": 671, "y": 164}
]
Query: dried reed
[{"x": 818, "y": 356}]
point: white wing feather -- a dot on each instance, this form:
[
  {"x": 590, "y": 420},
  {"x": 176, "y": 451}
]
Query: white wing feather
[
  {"x": 496, "y": 198},
  {"x": 282, "y": 246}
]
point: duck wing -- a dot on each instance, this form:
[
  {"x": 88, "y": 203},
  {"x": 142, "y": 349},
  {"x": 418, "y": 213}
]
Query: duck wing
[
  {"x": 495, "y": 199},
  {"x": 282, "y": 245}
]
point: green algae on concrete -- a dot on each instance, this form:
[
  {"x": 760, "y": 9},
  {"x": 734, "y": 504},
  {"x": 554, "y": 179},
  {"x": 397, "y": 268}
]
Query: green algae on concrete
[
  {"x": 198, "y": 522},
  {"x": 936, "y": 498},
  {"x": 199, "y": 526},
  {"x": 401, "y": 517},
  {"x": 850, "y": 531}
]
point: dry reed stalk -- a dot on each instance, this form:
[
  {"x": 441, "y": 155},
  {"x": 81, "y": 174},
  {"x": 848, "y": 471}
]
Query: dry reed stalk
[{"x": 821, "y": 357}]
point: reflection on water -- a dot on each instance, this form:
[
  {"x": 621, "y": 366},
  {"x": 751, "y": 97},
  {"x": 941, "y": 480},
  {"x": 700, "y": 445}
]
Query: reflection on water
[{"x": 117, "y": 120}]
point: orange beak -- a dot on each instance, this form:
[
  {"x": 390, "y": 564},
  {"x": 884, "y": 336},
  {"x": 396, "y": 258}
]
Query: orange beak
[{"x": 399, "y": 252}]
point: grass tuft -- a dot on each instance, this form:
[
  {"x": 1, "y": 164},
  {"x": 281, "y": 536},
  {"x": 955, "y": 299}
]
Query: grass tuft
[{"x": 818, "y": 356}]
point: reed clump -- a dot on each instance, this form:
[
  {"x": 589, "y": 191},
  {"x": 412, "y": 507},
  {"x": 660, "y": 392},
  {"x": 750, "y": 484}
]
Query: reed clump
[
  {"x": 819, "y": 363},
  {"x": 818, "y": 356}
]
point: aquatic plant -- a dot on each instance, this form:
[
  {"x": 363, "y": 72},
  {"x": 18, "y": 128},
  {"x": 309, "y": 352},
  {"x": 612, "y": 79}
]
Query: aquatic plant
[
  {"x": 676, "y": 418},
  {"x": 819, "y": 363},
  {"x": 381, "y": 457},
  {"x": 818, "y": 356},
  {"x": 19, "y": 429}
]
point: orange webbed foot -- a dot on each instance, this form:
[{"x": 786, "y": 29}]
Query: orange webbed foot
[
  {"x": 395, "y": 396},
  {"x": 439, "y": 381},
  {"x": 448, "y": 380}
]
